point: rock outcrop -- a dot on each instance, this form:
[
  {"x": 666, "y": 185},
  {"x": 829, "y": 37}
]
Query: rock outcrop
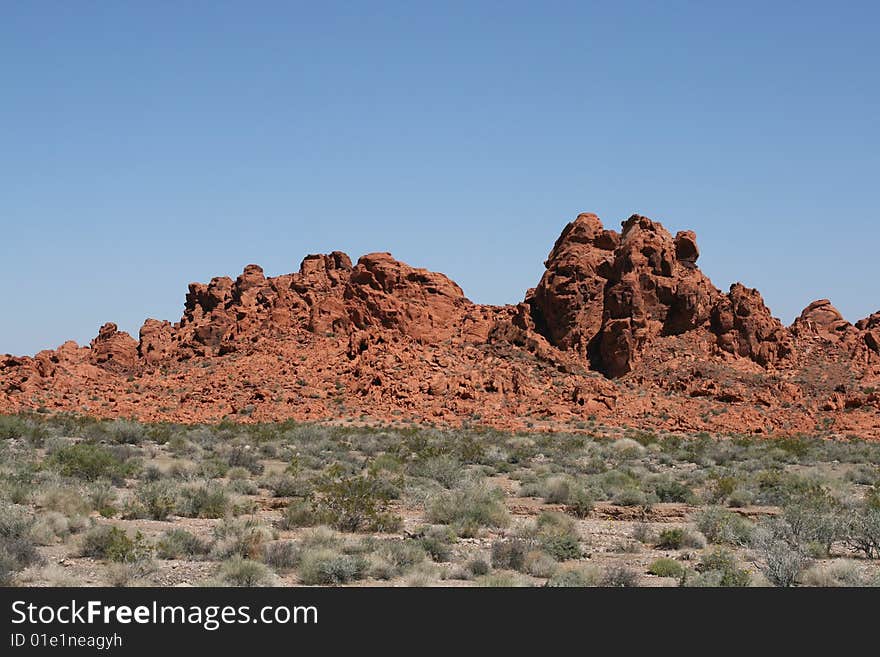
[
  {"x": 382, "y": 339},
  {"x": 744, "y": 327}
]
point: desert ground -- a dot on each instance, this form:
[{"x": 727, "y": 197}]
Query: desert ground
[{"x": 87, "y": 502}]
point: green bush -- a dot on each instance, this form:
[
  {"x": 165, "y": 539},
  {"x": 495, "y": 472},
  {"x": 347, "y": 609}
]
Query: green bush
[
  {"x": 90, "y": 462},
  {"x": 181, "y": 544},
  {"x": 666, "y": 568},
  {"x": 671, "y": 539},
  {"x": 558, "y": 536},
  {"x": 469, "y": 509},
  {"x": 299, "y": 513},
  {"x": 241, "y": 572},
  {"x": 437, "y": 543},
  {"x": 245, "y": 537},
  {"x": 719, "y": 568},
  {"x": 353, "y": 503},
  {"x": 580, "y": 502},
  {"x": 17, "y": 549},
  {"x": 721, "y": 526},
  {"x": 574, "y": 577},
  {"x": 206, "y": 501},
  {"x": 329, "y": 567},
  {"x": 114, "y": 544},
  {"x": 158, "y": 498}
]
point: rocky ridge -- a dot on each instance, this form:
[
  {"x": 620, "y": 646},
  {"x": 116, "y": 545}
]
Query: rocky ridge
[{"x": 622, "y": 328}]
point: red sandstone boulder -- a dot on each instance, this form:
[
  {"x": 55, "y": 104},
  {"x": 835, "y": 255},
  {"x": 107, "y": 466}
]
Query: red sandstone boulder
[
  {"x": 744, "y": 326},
  {"x": 114, "y": 350},
  {"x": 156, "y": 342},
  {"x": 384, "y": 292},
  {"x": 870, "y": 327},
  {"x": 822, "y": 319}
]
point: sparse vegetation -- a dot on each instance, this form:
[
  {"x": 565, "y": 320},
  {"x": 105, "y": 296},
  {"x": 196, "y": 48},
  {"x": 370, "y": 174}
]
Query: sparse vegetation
[{"x": 127, "y": 504}]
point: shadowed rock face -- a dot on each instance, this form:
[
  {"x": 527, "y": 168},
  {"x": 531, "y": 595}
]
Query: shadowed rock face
[{"x": 382, "y": 339}]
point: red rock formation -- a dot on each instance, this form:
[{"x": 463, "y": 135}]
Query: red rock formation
[
  {"x": 870, "y": 327},
  {"x": 114, "y": 350},
  {"x": 568, "y": 301},
  {"x": 820, "y": 318},
  {"x": 745, "y": 327},
  {"x": 385, "y": 340}
]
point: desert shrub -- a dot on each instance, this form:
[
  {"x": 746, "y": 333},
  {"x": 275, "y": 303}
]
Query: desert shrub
[
  {"x": 437, "y": 543},
  {"x": 64, "y": 499},
  {"x": 643, "y": 533},
  {"x": 557, "y": 535},
  {"x": 114, "y": 544},
  {"x": 835, "y": 574},
  {"x": 627, "y": 448},
  {"x": 468, "y": 509},
  {"x": 862, "y": 531},
  {"x": 739, "y": 498},
  {"x": 671, "y": 539},
  {"x": 677, "y": 538},
  {"x": 397, "y": 557},
  {"x": 630, "y": 497},
  {"x": 721, "y": 526},
  {"x": 445, "y": 469},
  {"x": 539, "y": 564},
  {"x": 665, "y": 567},
  {"x": 286, "y": 485},
  {"x": 281, "y": 555},
  {"x": 241, "y": 572},
  {"x": 815, "y": 517},
  {"x": 124, "y": 574},
  {"x": 353, "y": 503},
  {"x": 159, "y": 499},
  {"x": 509, "y": 554},
  {"x": 667, "y": 489},
  {"x": 779, "y": 550},
  {"x": 580, "y": 502},
  {"x": 619, "y": 576},
  {"x": 722, "y": 488},
  {"x": 299, "y": 513},
  {"x": 181, "y": 544},
  {"x": 49, "y": 526},
  {"x": 719, "y": 568},
  {"x": 17, "y": 550},
  {"x": 557, "y": 490},
  {"x": 329, "y": 567},
  {"x": 501, "y": 579},
  {"x": 205, "y": 501},
  {"x": 90, "y": 462},
  {"x": 125, "y": 432},
  {"x": 478, "y": 567},
  {"x": 102, "y": 498},
  {"x": 575, "y": 577},
  {"x": 243, "y": 456},
  {"x": 13, "y": 426},
  {"x": 241, "y": 536}
]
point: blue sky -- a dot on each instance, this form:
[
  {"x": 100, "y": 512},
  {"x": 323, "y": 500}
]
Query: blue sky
[{"x": 147, "y": 145}]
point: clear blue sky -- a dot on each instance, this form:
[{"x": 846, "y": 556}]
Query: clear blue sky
[{"x": 146, "y": 145}]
